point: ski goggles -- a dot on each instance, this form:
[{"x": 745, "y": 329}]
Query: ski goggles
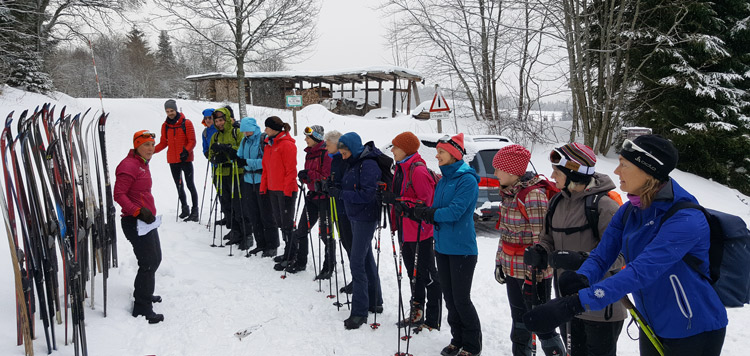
[
  {"x": 447, "y": 139},
  {"x": 630, "y": 146},
  {"x": 147, "y": 134},
  {"x": 313, "y": 134},
  {"x": 557, "y": 158}
]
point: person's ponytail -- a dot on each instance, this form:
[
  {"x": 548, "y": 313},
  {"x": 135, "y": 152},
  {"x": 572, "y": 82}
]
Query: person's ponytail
[{"x": 287, "y": 128}]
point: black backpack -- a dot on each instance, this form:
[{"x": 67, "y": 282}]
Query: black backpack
[
  {"x": 590, "y": 209},
  {"x": 728, "y": 255},
  {"x": 385, "y": 163}
]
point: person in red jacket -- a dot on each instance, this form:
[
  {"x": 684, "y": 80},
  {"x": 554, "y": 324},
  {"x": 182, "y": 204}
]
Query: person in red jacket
[
  {"x": 414, "y": 185},
  {"x": 279, "y": 178},
  {"x": 133, "y": 193},
  {"x": 178, "y": 136}
]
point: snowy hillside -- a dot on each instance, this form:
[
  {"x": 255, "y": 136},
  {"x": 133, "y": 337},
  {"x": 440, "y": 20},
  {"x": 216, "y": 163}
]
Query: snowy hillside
[{"x": 208, "y": 296}]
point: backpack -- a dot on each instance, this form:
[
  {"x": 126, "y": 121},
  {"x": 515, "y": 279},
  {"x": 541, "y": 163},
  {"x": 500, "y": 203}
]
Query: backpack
[
  {"x": 728, "y": 254},
  {"x": 435, "y": 177},
  {"x": 590, "y": 209},
  {"x": 385, "y": 163},
  {"x": 549, "y": 189}
]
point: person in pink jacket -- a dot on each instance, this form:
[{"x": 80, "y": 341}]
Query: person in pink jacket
[
  {"x": 133, "y": 193},
  {"x": 414, "y": 184}
]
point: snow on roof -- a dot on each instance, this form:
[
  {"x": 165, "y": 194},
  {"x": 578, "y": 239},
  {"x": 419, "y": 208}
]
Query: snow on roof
[{"x": 344, "y": 75}]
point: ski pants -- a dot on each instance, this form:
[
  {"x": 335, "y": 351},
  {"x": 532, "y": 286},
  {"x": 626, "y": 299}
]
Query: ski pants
[
  {"x": 707, "y": 343},
  {"x": 147, "y": 250},
  {"x": 231, "y": 205},
  {"x": 519, "y": 335},
  {"x": 258, "y": 213},
  {"x": 427, "y": 282},
  {"x": 187, "y": 168},
  {"x": 456, "y": 274},
  {"x": 283, "y": 213},
  {"x": 593, "y": 338},
  {"x": 366, "y": 292},
  {"x": 314, "y": 210}
]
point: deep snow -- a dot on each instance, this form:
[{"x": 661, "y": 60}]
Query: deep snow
[{"x": 209, "y": 296}]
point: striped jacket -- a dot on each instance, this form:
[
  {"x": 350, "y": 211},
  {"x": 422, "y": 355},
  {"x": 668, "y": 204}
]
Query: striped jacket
[{"x": 517, "y": 233}]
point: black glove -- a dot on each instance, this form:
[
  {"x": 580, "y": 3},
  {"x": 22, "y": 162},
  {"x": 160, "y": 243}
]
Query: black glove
[
  {"x": 334, "y": 192},
  {"x": 146, "y": 215},
  {"x": 403, "y": 209},
  {"x": 531, "y": 296},
  {"x": 568, "y": 260},
  {"x": 184, "y": 155},
  {"x": 548, "y": 316},
  {"x": 571, "y": 282},
  {"x": 386, "y": 196},
  {"x": 205, "y": 154},
  {"x": 219, "y": 159},
  {"x": 535, "y": 256},
  {"x": 499, "y": 274},
  {"x": 302, "y": 175},
  {"x": 425, "y": 213},
  {"x": 231, "y": 152}
]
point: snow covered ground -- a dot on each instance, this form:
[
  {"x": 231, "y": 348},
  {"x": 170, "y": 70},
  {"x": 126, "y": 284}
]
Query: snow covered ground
[{"x": 208, "y": 296}]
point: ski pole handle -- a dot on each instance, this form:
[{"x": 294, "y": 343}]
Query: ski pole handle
[{"x": 642, "y": 325}]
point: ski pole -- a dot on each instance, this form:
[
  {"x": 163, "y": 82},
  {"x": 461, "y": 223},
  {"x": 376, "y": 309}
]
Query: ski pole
[
  {"x": 329, "y": 221},
  {"x": 203, "y": 196},
  {"x": 327, "y": 232},
  {"x": 382, "y": 216},
  {"x": 397, "y": 265},
  {"x": 335, "y": 215},
  {"x": 221, "y": 193},
  {"x": 643, "y": 325},
  {"x": 414, "y": 279}
]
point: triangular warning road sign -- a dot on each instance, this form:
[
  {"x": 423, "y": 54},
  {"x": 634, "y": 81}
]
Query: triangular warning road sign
[{"x": 438, "y": 103}]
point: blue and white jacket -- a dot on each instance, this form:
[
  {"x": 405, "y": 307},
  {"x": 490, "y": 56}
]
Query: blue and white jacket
[
  {"x": 455, "y": 200},
  {"x": 673, "y": 298}
]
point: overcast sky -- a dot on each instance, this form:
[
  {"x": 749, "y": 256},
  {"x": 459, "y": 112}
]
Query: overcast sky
[{"x": 350, "y": 34}]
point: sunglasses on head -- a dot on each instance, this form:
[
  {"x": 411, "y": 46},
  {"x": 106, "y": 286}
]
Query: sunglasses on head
[
  {"x": 630, "y": 146},
  {"x": 447, "y": 139},
  {"x": 220, "y": 117},
  {"x": 148, "y": 134},
  {"x": 558, "y": 159}
]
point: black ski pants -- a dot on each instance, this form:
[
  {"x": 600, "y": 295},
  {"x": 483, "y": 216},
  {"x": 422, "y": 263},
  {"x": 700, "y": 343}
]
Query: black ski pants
[
  {"x": 593, "y": 338},
  {"x": 282, "y": 208},
  {"x": 147, "y": 250},
  {"x": 315, "y": 209},
  {"x": 708, "y": 343},
  {"x": 231, "y": 204},
  {"x": 519, "y": 335},
  {"x": 456, "y": 275},
  {"x": 258, "y": 214},
  {"x": 427, "y": 282},
  {"x": 187, "y": 169}
]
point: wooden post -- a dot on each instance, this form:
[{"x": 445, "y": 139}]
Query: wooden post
[
  {"x": 380, "y": 94},
  {"x": 408, "y": 98},
  {"x": 352, "y": 89},
  {"x": 320, "y": 90},
  {"x": 294, "y": 112},
  {"x": 417, "y": 101},
  {"x": 331, "y": 87},
  {"x": 395, "y": 81},
  {"x": 367, "y": 93}
]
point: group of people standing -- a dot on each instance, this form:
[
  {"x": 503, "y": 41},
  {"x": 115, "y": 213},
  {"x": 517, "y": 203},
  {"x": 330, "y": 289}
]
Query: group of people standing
[{"x": 584, "y": 242}]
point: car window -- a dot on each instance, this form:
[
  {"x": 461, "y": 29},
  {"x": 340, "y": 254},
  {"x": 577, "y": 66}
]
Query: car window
[{"x": 486, "y": 156}]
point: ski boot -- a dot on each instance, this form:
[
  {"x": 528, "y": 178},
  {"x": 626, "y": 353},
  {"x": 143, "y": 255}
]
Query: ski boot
[
  {"x": 269, "y": 252},
  {"x": 416, "y": 316},
  {"x": 450, "y": 350},
  {"x": 193, "y": 215},
  {"x": 185, "y": 212},
  {"x": 354, "y": 322}
]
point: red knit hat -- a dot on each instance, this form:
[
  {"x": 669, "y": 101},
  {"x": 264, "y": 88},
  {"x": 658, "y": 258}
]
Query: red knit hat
[
  {"x": 512, "y": 159},
  {"x": 141, "y": 137},
  {"x": 450, "y": 145},
  {"x": 407, "y": 141}
]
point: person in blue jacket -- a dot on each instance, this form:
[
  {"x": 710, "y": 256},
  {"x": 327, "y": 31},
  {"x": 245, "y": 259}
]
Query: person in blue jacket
[
  {"x": 257, "y": 207},
  {"x": 338, "y": 167},
  {"x": 452, "y": 213},
  {"x": 681, "y": 307},
  {"x": 209, "y": 131},
  {"x": 358, "y": 192}
]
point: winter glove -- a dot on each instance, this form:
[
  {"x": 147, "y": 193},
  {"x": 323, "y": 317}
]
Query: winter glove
[
  {"x": 205, "y": 154},
  {"x": 567, "y": 260},
  {"x": 535, "y": 256},
  {"x": 184, "y": 155},
  {"x": 334, "y": 192},
  {"x": 302, "y": 175},
  {"x": 425, "y": 214},
  {"x": 231, "y": 152},
  {"x": 386, "y": 196},
  {"x": 499, "y": 274},
  {"x": 571, "y": 282},
  {"x": 548, "y": 316},
  {"x": 219, "y": 159},
  {"x": 532, "y": 296},
  {"x": 146, "y": 215},
  {"x": 403, "y": 209}
]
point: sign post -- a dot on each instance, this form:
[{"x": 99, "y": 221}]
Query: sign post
[
  {"x": 439, "y": 110},
  {"x": 294, "y": 101}
]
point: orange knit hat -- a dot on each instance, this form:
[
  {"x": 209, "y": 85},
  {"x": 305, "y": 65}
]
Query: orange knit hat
[
  {"x": 143, "y": 136},
  {"x": 407, "y": 141}
]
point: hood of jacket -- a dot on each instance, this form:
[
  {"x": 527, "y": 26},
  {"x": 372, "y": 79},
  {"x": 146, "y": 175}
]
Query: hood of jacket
[
  {"x": 353, "y": 142},
  {"x": 248, "y": 124},
  {"x": 227, "y": 115}
]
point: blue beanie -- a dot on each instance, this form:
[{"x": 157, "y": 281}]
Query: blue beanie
[
  {"x": 248, "y": 124},
  {"x": 208, "y": 112},
  {"x": 353, "y": 142}
]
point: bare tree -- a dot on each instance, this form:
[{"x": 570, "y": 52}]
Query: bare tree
[{"x": 250, "y": 29}]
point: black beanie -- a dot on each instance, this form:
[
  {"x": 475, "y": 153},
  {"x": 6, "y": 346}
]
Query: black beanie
[
  {"x": 275, "y": 123},
  {"x": 658, "y": 147}
]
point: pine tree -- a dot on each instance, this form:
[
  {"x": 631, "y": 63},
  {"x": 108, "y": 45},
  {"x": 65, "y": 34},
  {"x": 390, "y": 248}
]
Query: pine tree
[
  {"x": 139, "y": 65},
  {"x": 21, "y": 53},
  {"x": 695, "y": 87}
]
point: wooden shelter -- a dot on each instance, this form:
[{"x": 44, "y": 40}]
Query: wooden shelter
[{"x": 270, "y": 88}]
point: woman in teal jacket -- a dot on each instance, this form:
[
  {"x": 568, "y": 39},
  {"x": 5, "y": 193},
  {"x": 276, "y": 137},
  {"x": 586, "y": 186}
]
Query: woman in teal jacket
[
  {"x": 452, "y": 213},
  {"x": 257, "y": 207},
  {"x": 681, "y": 307}
]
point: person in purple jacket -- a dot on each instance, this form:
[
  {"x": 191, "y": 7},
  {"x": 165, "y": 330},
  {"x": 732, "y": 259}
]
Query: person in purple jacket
[
  {"x": 414, "y": 185},
  {"x": 133, "y": 193},
  {"x": 358, "y": 192}
]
